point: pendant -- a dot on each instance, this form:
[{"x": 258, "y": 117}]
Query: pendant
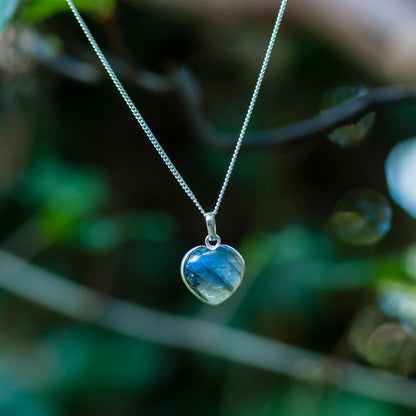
[{"x": 215, "y": 271}]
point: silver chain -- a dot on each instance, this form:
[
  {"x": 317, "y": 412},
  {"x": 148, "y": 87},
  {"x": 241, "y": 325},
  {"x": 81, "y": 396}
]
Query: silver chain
[{"x": 149, "y": 132}]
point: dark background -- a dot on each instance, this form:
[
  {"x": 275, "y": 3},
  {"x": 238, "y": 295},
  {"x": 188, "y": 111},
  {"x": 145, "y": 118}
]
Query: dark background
[{"x": 87, "y": 204}]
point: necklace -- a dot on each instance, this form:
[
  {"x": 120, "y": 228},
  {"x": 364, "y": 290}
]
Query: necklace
[{"x": 214, "y": 271}]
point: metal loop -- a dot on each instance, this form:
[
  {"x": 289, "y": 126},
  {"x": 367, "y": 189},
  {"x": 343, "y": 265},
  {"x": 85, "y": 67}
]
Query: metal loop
[
  {"x": 209, "y": 242},
  {"x": 211, "y": 226}
]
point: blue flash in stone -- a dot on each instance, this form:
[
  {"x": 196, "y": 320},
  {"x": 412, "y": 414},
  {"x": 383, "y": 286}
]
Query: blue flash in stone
[{"x": 212, "y": 275}]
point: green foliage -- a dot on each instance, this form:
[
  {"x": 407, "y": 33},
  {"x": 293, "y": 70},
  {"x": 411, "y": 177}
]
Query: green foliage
[
  {"x": 99, "y": 235},
  {"x": 322, "y": 403},
  {"x": 37, "y": 10},
  {"x": 106, "y": 233},
  {"x": 92, "y": 361},
  {"x": 75, "y": 362},
  {"x": 153, "y": 226},
  {"x": 7, "y": 10},
  {"x": 62, "y": 195},
  {"x": 295, "y": 265},
  {"x": 105, "y": 214},
  {"x": 50, "y": 184}
]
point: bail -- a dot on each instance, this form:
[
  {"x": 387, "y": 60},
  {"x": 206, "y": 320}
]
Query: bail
[{"x": 211, "y": 227}]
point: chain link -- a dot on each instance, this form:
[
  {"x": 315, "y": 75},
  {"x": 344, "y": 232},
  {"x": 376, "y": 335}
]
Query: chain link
[{"x": 149, "y": 132}]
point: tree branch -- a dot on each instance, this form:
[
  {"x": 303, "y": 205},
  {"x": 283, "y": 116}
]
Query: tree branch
[
  {"x": 319, "y": 126},
  {"x": 75, "y": 301},
  {"x": 185, "y": 86}
]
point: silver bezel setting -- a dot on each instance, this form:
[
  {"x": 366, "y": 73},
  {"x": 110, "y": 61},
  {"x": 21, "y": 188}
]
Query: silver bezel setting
[{"x": 185, "y": 258}]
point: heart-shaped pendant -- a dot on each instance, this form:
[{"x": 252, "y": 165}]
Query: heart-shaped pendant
[{"x": 212, "y": 274}]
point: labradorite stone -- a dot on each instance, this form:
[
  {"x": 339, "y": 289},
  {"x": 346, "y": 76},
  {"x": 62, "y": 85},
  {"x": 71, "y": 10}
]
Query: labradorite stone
[{"x": 212, "y": 275}]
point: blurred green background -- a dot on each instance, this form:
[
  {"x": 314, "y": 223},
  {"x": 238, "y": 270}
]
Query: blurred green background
[{"x": 325, "y": 321}]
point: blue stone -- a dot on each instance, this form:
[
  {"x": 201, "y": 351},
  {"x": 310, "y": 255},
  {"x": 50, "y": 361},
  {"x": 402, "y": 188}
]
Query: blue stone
[{"x": 212, "y": 275}]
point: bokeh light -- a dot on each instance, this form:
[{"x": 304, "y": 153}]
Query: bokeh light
[
  {"x": 400, "y": 305},
  {"x": 400, "y": 168},
  {"x": 361, "y": 217},
  {"x": 385, "y": 344},
  {"x": 351, "y": 134},
  {"x": 380, "y": 339}
]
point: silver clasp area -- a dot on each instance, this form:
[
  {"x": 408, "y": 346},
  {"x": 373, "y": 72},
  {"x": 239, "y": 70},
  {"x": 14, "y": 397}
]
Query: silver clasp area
[{"x": 213, "y": 240}]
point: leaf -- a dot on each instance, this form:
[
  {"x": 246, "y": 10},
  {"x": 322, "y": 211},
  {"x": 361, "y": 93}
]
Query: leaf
[
  {"x": 7, "y": 9},
  {"x": 296, "y": 266},
  {"x": 99, "y": 235},
  {"x": 153, "y": 226},
  {"x": 62, "y": 194},
  {"x": 53, "y": 185},
  {"x": 91, "y": 361},
  {"x": 37, "y": 10},
  {"x": 106, "y": 233}
]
